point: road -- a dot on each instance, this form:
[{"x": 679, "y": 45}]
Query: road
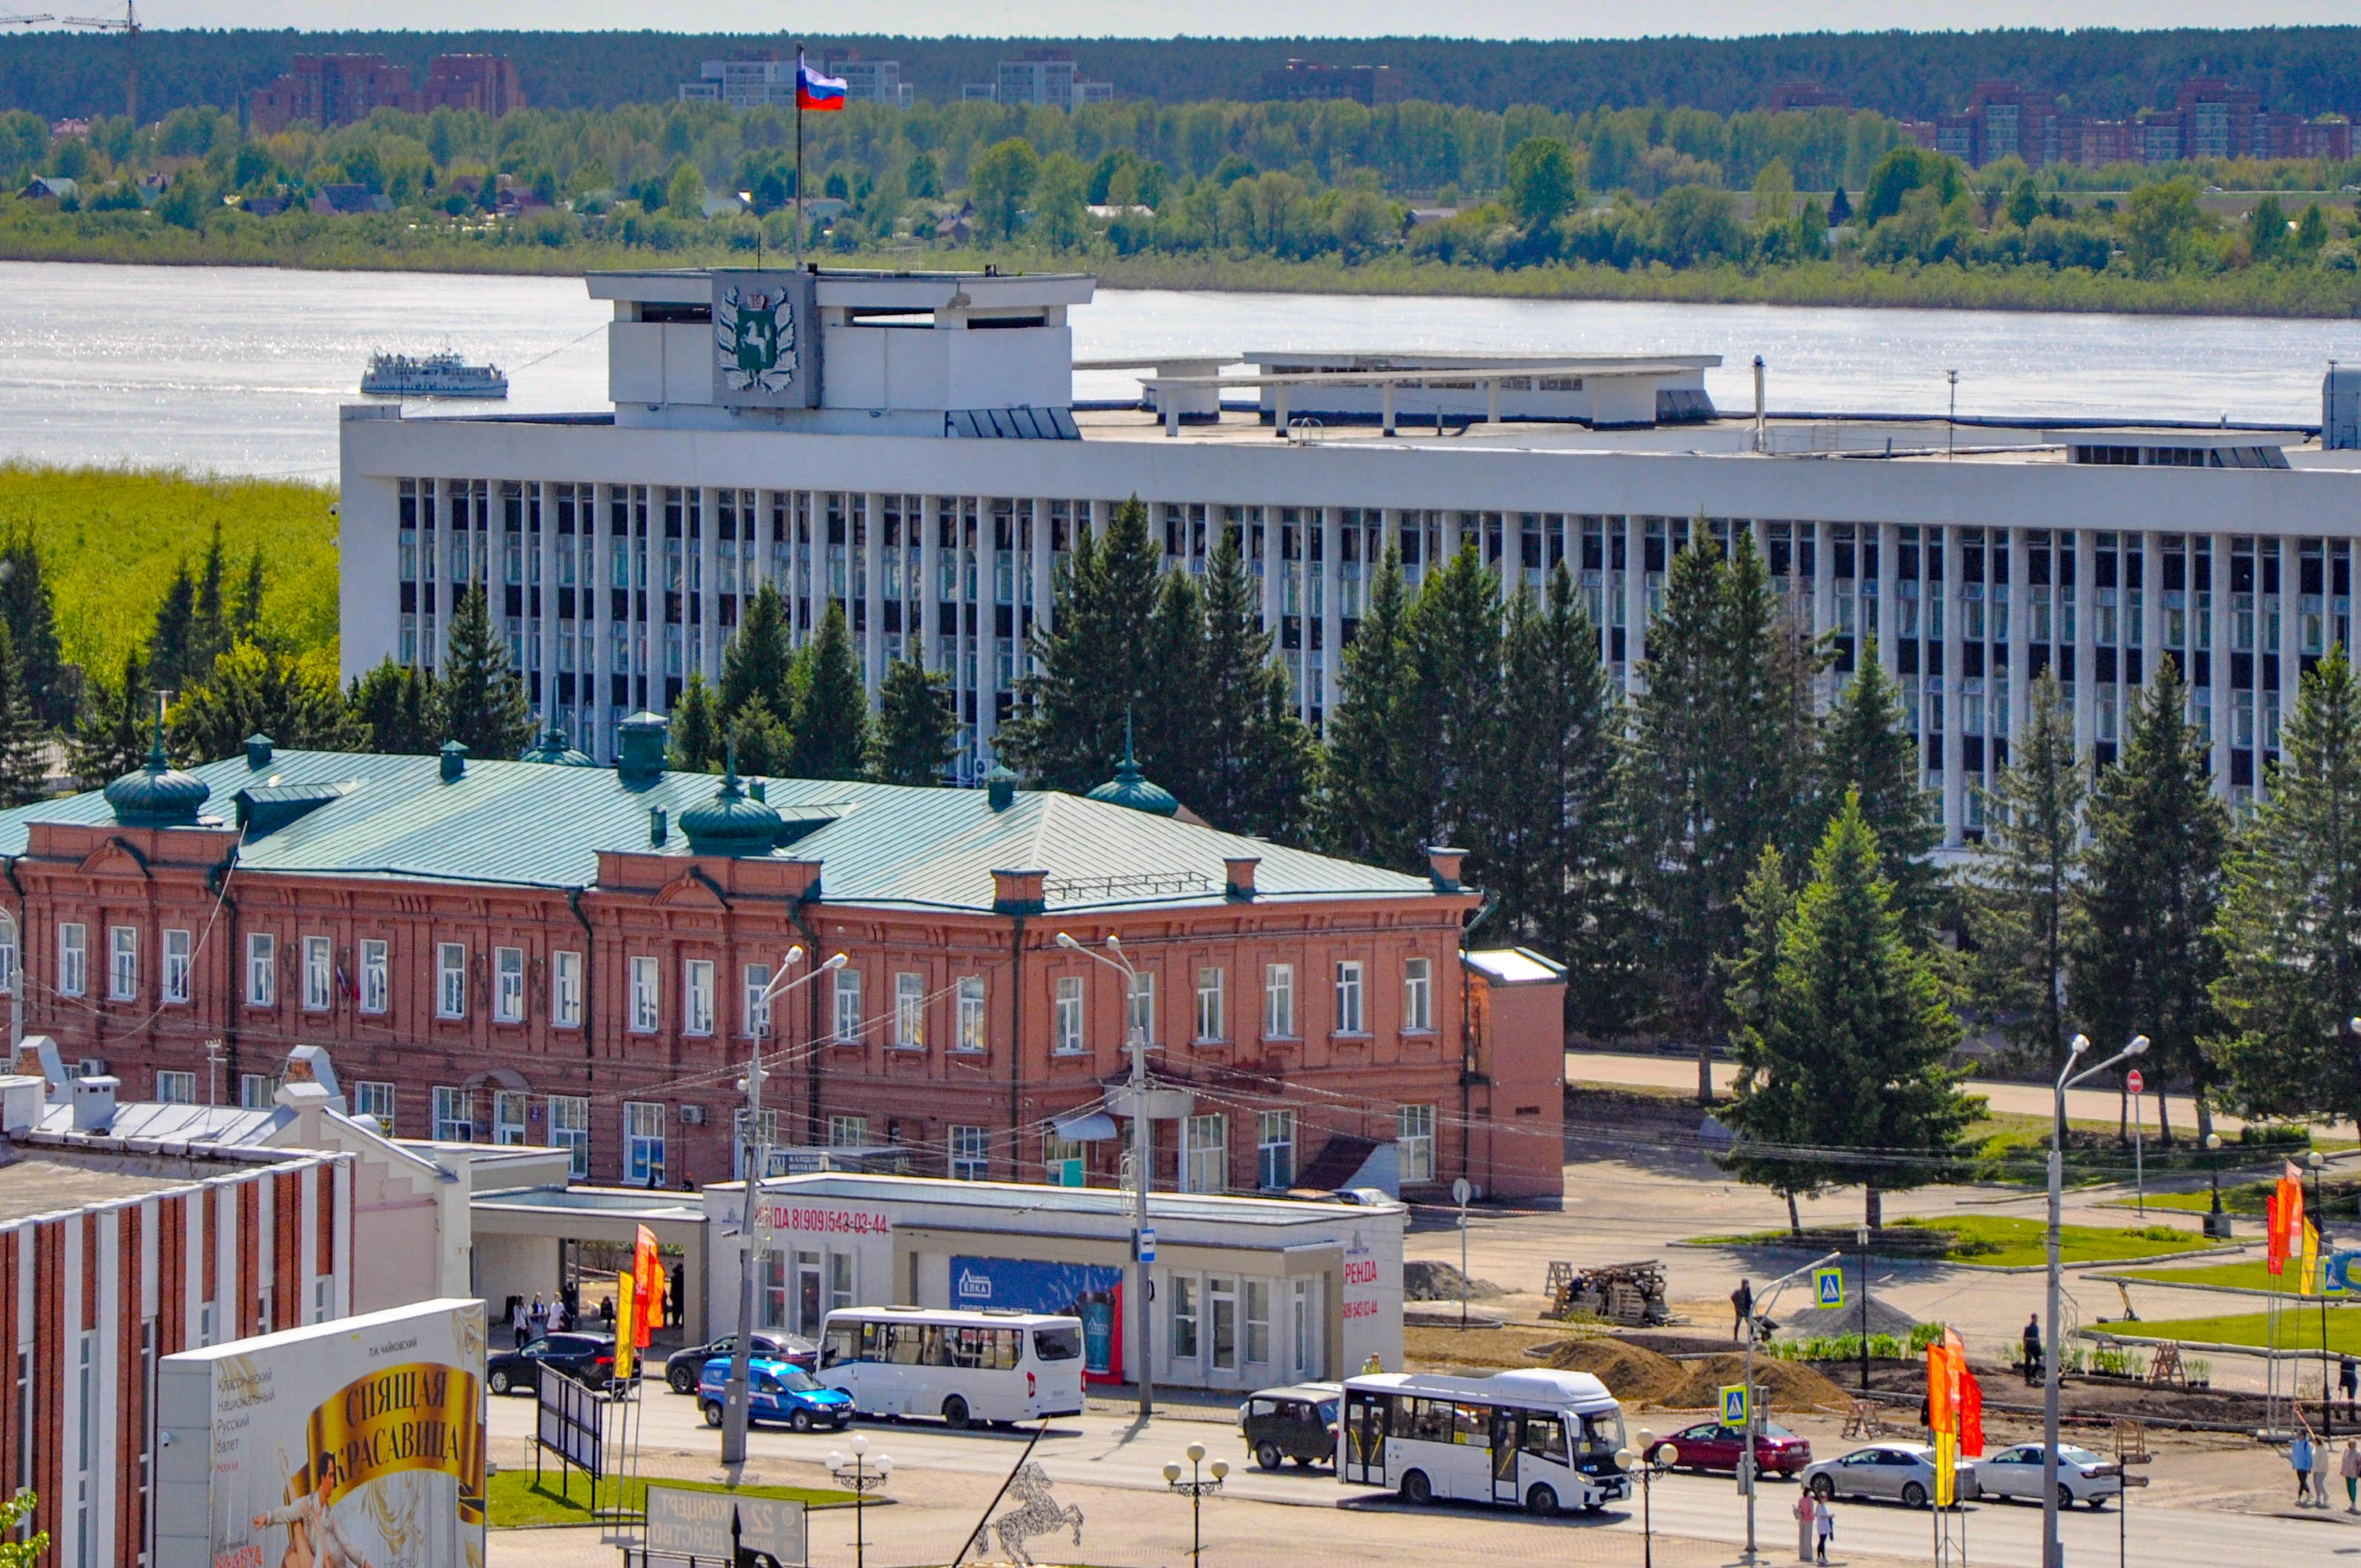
[{"x": 942, "y": 1481}]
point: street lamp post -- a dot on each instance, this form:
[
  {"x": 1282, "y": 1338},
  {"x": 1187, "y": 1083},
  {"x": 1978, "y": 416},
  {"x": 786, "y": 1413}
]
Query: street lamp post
[
  {"x": 2217, "y": 1224},
  {"x": 1143, "y": 1152},
  {"x": 1194, "y": 1489},
  {"x": 1861, "y": 1237},
  {"x": 861, "y": 1478},
  {"x": 1652, "y": 1460},
  {"x": 1746, "y": 1460},
  {"x": 2052, "y": 1555},
  {"x": 758, "y": 1157},
  {"x": 2319, "y": 1218}
]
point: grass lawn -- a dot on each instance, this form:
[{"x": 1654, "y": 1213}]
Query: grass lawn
[
  {"x": 514, "y": 1500},
  {"x": 2248, "y": 1273},
  {"x": 2003, "y": 1241},
  {"x": 2296, "y": 1332}
]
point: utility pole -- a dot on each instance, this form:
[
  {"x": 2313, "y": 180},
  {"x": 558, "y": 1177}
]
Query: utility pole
[{"x": 1143, "y": 1155}]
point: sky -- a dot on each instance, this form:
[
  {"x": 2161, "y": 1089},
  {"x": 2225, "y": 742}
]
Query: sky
[{"x": 1245, "y": 18}]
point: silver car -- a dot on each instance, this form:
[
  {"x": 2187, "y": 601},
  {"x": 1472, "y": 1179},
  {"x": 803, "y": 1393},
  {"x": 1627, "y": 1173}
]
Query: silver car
[
  {"x": 2082, "y": 1476},
  {"x": 1888, "y": 1472}
]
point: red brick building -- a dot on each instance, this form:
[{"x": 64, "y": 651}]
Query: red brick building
[
  {"x": 575, "y": 955},
  {"x": 328, "y": 90}
]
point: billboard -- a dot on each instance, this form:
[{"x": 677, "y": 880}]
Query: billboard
[
  {"x": 1092, "y": 1292},
  {"x": 359, "y": 1441}
]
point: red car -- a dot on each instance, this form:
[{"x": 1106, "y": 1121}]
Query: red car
[{"x": 1712, "y": 1446}]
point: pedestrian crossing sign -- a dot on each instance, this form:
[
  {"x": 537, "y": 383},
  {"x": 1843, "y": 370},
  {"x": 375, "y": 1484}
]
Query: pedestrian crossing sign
[
  {"x": 1827, "y": 1286},
  {"x": 1733, "y": 1405}
]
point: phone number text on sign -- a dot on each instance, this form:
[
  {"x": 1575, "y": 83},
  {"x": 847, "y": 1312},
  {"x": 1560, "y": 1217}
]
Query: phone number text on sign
[{"x": 823, "y": 1221}]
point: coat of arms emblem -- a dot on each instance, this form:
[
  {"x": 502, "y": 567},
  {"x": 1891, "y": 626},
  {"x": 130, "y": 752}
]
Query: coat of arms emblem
[{"x": 754, "y": 339}]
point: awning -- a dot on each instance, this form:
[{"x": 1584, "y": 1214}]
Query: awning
[{"x": 1088, "y": 1127}]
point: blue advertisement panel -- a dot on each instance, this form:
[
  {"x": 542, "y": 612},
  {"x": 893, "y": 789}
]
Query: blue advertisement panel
[{"x": 1092, "y": 1292}]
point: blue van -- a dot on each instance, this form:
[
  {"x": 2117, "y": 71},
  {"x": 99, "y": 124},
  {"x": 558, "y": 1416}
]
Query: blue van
[{"x": 775, "y": 1391}]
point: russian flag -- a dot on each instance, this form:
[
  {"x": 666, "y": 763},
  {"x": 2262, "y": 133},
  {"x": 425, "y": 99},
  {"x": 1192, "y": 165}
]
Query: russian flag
[{"x": 814, "y": 90}]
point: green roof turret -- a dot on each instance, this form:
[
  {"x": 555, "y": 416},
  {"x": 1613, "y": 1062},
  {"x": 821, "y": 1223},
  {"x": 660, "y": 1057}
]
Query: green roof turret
[
  {"x": 730, "y": 824},
  {"x": 159, "y": 794},
  {"x": 553, "y": 749},
  {"x": 1130, "y": 787}
]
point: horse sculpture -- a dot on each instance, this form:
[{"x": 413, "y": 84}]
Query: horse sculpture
[{"x": 1036, "y": 1513}]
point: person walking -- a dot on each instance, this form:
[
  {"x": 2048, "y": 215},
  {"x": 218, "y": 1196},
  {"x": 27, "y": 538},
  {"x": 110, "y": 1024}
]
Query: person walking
[
  {"x": 1805, "y": 1511},
  {"x": 1824, "y": 1525},
  {"x": 2033, "y": 1349},
  {"x": 537, "y": 1318},
  {"x": 516, "y": 1319},
  {"x": 557, "y": 1318},
  {"x": 2300, "y": 1460},
  {"x": 2348, "y": 1379},
  {"x": 1741, "y": 1303},
  {"x": 2320, "y": 1449},
  {"x": 2349, "y": 1466}
]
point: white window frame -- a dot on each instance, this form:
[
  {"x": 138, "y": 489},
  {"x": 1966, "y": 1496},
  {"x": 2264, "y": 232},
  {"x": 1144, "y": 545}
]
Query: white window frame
[
  {"x": 971, "y": 1153},
  {"x": 1414, "y": 1144},
  {"x": 569, "y": 1129},
  {"x": 1205, "y": 1152},
  {"x": 256, "y": 1091},
  {"x": 1066, "y": 1016},
  {"x": 644, "y": 1142},
  {"x": 176, "y": 1088},
  {"x": 647, "y": 996},
  {"x": 455, "y": 1115},
  {"x": 179, "y": 962},
  {"x": 508, "y": 1116},
  {"x": 376, "y": 984},
  {"x": 754, "y": 1011},
  {"x": 1139, "y": 1004},
  {"x": 697, "y": 996},
  {"x": 376, "y": 1097},
  {"x": 74, "y": 958},
  {"x": 848, "y": 1132},
  {"x": 909, "y": 1011},
  {"x": 1278, "y": 1002},
  {"x": 8, "y": 955},
  {"x": 507, "y": 985},
  {"x": 1352, "y": 1013},
  {"x": 565, "y": 990},
  {"x": 1418, "y": 996},
  {"x": 1210, "y": 978},
  {"x": 261, "y": 970},
  {"x": 974, "y": 1015},
  {"x": 1275, "y": 1150},
  {"x": 123, "y": 963},
  {"x": 450, "y": 979},
  {"x": 844, "y": 1002},
  {"x": 319, "y": 974}
]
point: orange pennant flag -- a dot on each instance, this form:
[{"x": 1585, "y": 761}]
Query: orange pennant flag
[
  {"x": 1972, "y": 1415},
  {"x": 647, "y": 1286}
]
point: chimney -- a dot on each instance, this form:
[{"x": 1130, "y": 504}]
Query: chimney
[
  {"x": 640, "y": 743},
  {"x": 22, "y": 1097},
  {"x": 1019, "y": 893},
  {"x": 1238, "y": 875},
  {"x": 455, "y": 762},
  {"x": 1000, "y": 788},
  {"x": 659, "y": 825},
  {"x": 309, "y": 1064},
  {"x": 257, "y": 750},
  {"x": 1443, "y": 867},
  {"x": 37, "y": 1056},
  {"x": 94, "y": 1104}
]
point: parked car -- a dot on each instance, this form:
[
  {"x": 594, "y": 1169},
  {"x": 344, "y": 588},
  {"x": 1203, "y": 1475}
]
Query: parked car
[
  {"x": 1892, "y": 1472},
  {"x": 586, "y": 1358},
  {"x": 682, "y": 1368},
  {"x": 1711, "y": 1446},
  {"x": 2082, "y": 1476},
  {"x": 1297, "y": 1422},
  {"x": 775, "y": 1391}
]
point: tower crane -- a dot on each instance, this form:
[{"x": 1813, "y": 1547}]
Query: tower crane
[{"x": 127, "y": 25}]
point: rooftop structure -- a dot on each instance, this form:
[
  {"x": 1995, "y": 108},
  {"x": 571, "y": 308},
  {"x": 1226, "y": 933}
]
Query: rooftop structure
[
  {"x": 751, "y": 81},
  {"x": 329, "y": 90},
  {"x": 1299, "y": 80},
  {"x": 1044, "y": 78}
]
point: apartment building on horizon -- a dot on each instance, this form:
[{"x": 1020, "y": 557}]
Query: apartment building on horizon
[{"x": 329, "y": 89}]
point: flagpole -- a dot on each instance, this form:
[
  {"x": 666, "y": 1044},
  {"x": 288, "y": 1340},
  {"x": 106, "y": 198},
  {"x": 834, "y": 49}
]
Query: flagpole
[{"x": 799, "y": 158}]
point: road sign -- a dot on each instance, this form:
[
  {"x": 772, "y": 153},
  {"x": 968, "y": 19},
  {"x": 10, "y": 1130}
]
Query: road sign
[
  {"x": 698, "y": 1524},
  {"x": 1148, "y": 1244},
  {"x": 1461, "y": 1191},
  {"x": 1733, "y": 1405},
  {"x": 1827, "y": 1286},
  {"x": 2132, "y": 1082}
]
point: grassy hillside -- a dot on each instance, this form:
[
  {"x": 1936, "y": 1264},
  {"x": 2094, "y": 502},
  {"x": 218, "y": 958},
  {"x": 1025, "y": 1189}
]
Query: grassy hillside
[{"x": 109, "y": 539}]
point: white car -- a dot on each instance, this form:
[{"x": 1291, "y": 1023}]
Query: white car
[
  {"x": 1895, "y": 1472},
  {"x": 2082, "y": 1476}
]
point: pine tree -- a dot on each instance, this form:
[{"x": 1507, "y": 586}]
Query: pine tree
[
  {"x": 1863, "y": 749},
  {"x": 2291, "y": 919},
  {"x": 393, "y": 707},
  {"x": 1368, "y": 788},
  {"x": 245, "y": 615},
  {"x": 831, "y": 718},
  {"x": 1065, "y": 730},
  {"x": 262, "y": 688},
  {"x": 1751, "y": 997},
  {"x": 1842, "y": 1066},
  {"x": 916, "y": 724},
  {"x": 2152, "y": 882},
  {"x": 757, "y": 665},
  {"x": 1172, "y": 713},
  {"x": 170, "y": 643},
  {"x": 112, "y": 736},
  {"x": 1548, "y": 824},
  {"x": 53, "y": 686},
  {"x": 209, "y": 626},
  {"x": 697, "y": 737},
  {"x": 2020, "y": 892},
  {"x": 23, "y": 767},
  {"x": 762, "y": 743},
  {"x": 1455, "y": 639},
  {"x": 1253, "y": 754},
  {"x": 480, "y": 701}
]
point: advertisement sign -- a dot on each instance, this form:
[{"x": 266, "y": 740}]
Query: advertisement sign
[
  {"x": 358, "y": 1441},
  {"x": 766, "y": 342},
  {"x": 791, "y": 1219},
  {"x": 1092, "y": 1292},
  {"x": 719, "y": 1524},
  {"x": 570, "y": 1421}
]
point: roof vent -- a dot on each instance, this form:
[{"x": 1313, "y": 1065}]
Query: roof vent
[
  {"x": 640, "y": 742},
  {"x": 455, "y": 762},
  {"x": 1238, "y": 874},
  {"x": 553, "y": 749},
  {"x": 659, "y": 825},
  {"x": 94, "y": 1104},
  {"x": 1000, "y": 787},
  {"x": 257, "y": 750},
  {"x": 1443, "y": 867}
]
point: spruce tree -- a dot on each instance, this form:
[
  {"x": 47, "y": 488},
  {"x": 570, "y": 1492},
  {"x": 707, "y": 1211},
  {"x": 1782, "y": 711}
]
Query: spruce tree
[
  {"x": 245, "y": 615},
  {"x": 23, "y": 767},
  {"x": 697, "y": 742},
  {"x": 170, "y": 643},
  {"x": 2019, "y": 889},
  {"x": 393, "y": 707},
  {"x": 1751, "y": 997},
  {"x": 762, "y": 743},
  {"x": 262, "y": 688},
  {"x": 916, "y": 724},
  {"x": 2290, "y": 917},
  {"x": 112, "y": 736},
  {"x": 1090, "y": 658},
  {"x": 1172, "y": 713},
  {"x": 1863, "y": 751},
  {"x": 1844, "y": 1075},
  {"x": 1455, "y": 639},
  {"x": 1367, "y": 807},
  {"x": 757, "y": 664},
  {"x": 2146, "y": 954},
  {"x": 53, "y": 686},
  {"x": 832, "y": 714},
  {"x": 209, "y": 627},
  {"x": 481, "y": 699},
  {"x": 1252, "y": 753}
]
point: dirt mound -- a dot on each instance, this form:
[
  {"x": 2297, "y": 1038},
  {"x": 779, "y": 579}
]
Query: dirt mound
[
  {"x": 1787, "y": 1385},
  {"x": 1423, "y": 1281},
  {"x": 1633, "y": 1376}
]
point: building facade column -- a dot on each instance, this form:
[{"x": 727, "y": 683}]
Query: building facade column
[
  {"x": 2217, "y": 661},
  {"x": 1955, "y": 705},
  {"x": 873, "y": 589},
  {"x": 1636, "y": 597},
  {"x": 2152, "y": 605},
  {"x": 1331, "y": 619},
  {"x": 930, "y": 584},
  {"x": 1889, "y": 551},
  {"x": 2086, "y": 615},
  {"x": 540, "y": 595}
]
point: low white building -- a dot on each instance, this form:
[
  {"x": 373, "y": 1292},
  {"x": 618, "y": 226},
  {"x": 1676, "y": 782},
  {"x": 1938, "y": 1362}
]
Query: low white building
[{"x": 1247, "y": 1291}]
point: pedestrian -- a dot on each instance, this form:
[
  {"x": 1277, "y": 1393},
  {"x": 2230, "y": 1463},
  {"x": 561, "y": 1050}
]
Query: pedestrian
[
  {"x": 606, "y": 1312},
  {"x": 557, "y": 1319},
  {"x": 2348, "y": 1378},
  {"x": 1805, "y": 1511},
  {"x": 1741, "y": 1303},
  {"x": 1824, "y": 1525},
  {"x": 676, "y": 1298},
  {"x": 2032, "y": 1350},
  {"x": 516, "y": 1319},
  {"x": 2350, "y": 1467},
  {"x": 2320, "y": 1449},
  {"x": 538, "y": 1316},
  {"x": 2300, "y": 1460}
]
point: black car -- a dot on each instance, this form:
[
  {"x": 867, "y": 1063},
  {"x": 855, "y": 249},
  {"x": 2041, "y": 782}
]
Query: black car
[
  {"x": 586, "y": 1358},
  {"x": 682, "y": 1368},
  {"x": 1298, "y": 1423}
]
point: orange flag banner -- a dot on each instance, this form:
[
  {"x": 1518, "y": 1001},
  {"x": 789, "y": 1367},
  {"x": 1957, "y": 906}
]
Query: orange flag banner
[
  {"x": 1972, "y": 1415},
  {"x": 647, "y": 1286}
]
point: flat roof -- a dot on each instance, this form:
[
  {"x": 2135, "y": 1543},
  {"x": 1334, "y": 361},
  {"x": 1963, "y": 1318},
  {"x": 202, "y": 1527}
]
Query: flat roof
[
  {"x": 1021, "y": 1198},
  {"x": 36, "y": 1185},
  {"x": 646, "y": 1203}
]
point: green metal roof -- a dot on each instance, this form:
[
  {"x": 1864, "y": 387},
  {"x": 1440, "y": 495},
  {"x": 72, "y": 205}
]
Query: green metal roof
[{"x": 525, "y": 824}]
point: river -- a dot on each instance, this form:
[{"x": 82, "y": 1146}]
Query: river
[{"x": 240, "y": 369}]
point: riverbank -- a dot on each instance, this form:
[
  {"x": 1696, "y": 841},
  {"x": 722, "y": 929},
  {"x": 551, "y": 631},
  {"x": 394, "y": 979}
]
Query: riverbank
[{"x": 545, "y": 244}]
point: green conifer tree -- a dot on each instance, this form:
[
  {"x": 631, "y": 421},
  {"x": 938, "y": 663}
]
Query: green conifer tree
[
  {"x": 1454, "y": 641},
  {"x": 112, "y": 736},
  {"x": 23, "y": 769},
  {"x": 481, "y": 699},
  {"x": 1065, "y": 730},
  {"x": 1253, "y": 752},
  {"x": 170, "y": 643},
  {"x": 1863, "y": 749},
  {"x": 393, "y": 708},
  {"x": 763, "y": 745},
  {"x": 916, "y": 724},
  {"x": 758, "y": 664},
  {"x": 697, "y": 742},
  {"x": 245, "y": 615},
  {"x": 832, "y": 717},
  {"x": 209, "y": 627},
  {"x": 1369, "y": 789},
  {"x": 262, "y": 688},
  {"x": 1171, "y": 714},
  {"x": 53, "y": 686}
]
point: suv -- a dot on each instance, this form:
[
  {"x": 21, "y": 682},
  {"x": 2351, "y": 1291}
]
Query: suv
[
  {"x": 681, "y": 1367},
  {"x": 1297, "y": 1422},
  {"x": 586, "y": 1358}
]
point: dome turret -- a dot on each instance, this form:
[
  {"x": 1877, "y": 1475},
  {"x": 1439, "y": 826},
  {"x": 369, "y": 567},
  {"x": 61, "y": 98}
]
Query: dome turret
[
  {"x": 553, "y": 749},
  {"x": 157, "y": 796},
  {"x": 1131, "y": 788},
  {"x": 731, "y": 823}
]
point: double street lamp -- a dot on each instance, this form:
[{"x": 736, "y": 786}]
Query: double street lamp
[
  {"x": 1194, "y": 1489},
  {"x": 860, "y": 1477},
  {"x": 1654, "y": 1459}
]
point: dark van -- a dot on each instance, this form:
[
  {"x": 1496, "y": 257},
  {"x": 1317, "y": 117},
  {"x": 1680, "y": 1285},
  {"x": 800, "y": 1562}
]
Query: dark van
[{"x": 1297, "y": 1422}]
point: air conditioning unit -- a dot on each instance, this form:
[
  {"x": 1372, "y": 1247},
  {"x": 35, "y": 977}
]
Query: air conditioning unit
[
  {"x": 91, "y": 1067},
  {"x": 692, "y": 1115}
]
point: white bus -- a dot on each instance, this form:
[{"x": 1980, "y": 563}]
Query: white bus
[
  {"x": 961, "y": 1365},
  {"x": 1535, "y": 1438}
]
